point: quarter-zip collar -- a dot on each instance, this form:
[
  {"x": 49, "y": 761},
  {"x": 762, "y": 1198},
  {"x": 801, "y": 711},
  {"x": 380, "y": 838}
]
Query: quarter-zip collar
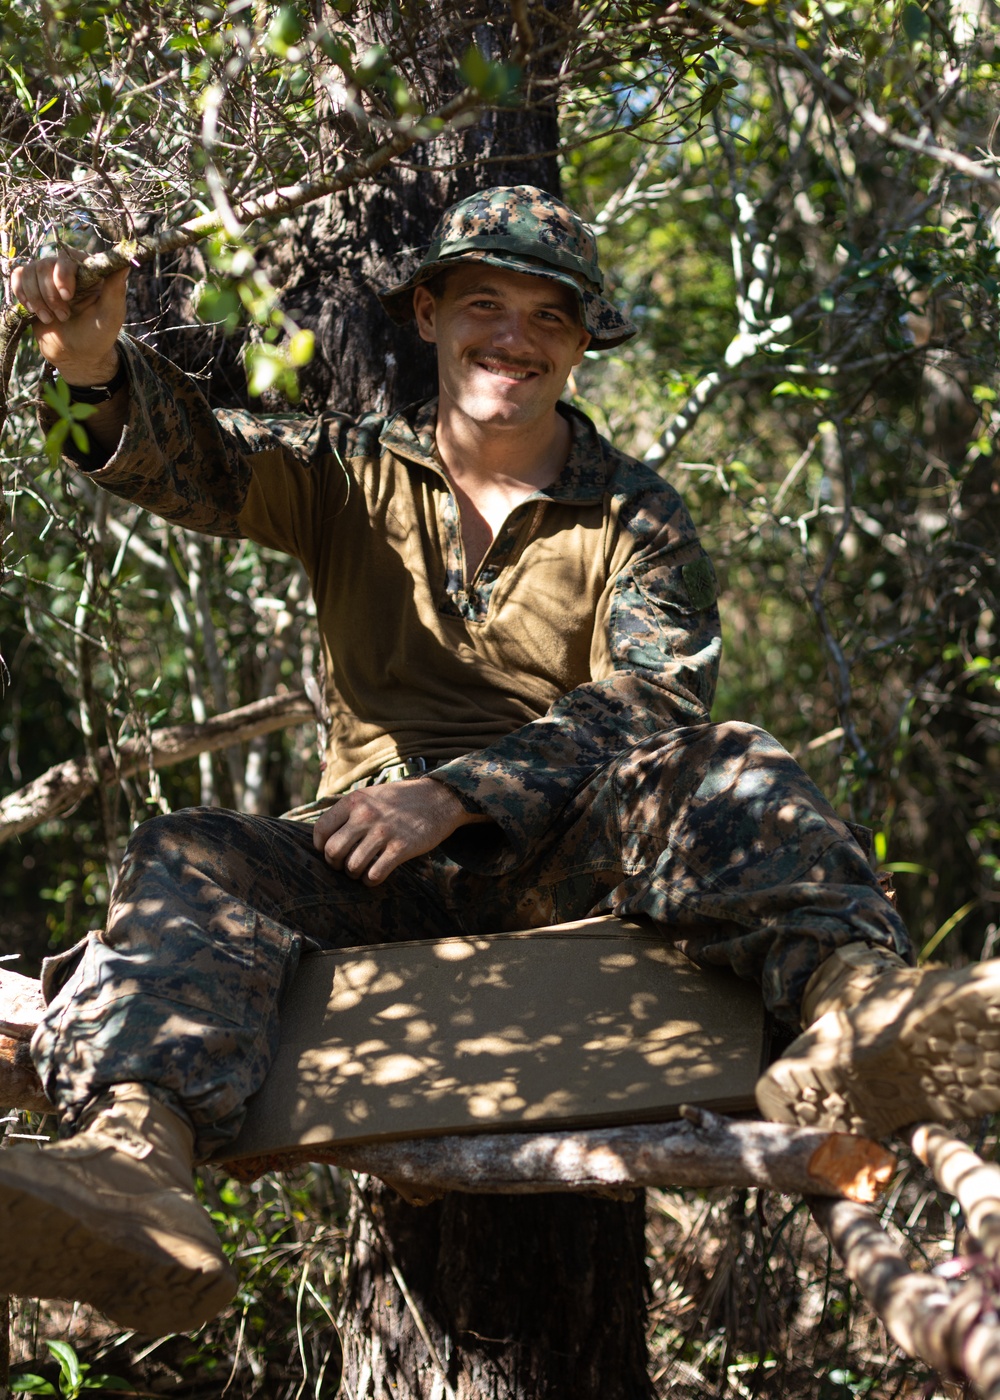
[{"x": 582, "y": 481}]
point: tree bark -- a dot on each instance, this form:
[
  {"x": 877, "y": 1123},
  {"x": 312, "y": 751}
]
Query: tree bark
[
  {"x": 706, "y": 1150},
  {"x": 975, "y": 1184},
  {"x": 519, "y": 1296}
]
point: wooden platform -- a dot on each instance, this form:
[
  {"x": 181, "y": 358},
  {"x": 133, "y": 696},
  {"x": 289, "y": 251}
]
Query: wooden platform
[{"x": 596, "y": 1022}]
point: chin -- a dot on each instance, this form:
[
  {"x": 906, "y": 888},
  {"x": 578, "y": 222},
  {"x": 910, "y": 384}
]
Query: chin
[{"x": 494, "y": 408}]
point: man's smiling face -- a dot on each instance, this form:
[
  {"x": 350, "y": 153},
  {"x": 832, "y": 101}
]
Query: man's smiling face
[{"x": 506, "y": 343}]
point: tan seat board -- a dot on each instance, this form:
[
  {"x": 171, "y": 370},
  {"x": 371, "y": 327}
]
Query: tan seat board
[{"x": 580, "y": 1024}]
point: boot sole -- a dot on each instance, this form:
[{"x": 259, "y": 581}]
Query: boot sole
[
  {"x": 942, "y": 1063},
  {"x": 47, "y": 1251}
]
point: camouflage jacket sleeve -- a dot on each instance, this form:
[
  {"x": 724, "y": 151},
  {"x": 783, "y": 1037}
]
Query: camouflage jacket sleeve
[
  {"x": 219, "y": 472},
  {"x": 654, "y": 666}
]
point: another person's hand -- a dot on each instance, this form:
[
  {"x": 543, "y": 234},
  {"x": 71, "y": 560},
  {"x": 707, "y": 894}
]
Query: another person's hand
[
  {"x": 77, "y": 338},
  {"x": 368, "y": 833}
]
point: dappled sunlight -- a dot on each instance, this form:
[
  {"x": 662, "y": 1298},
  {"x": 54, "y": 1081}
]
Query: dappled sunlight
[{"x": 595, "y": 1021}]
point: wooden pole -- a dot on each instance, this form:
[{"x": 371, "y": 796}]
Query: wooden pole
[
  {"x": 955, "y": 1332},
  {"x": 704, "y": 1150},
  {"x": 975, "y": 1184}
]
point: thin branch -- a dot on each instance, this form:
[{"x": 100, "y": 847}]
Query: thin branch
[
  {"x": 63, "y": 786},
  {"x": 954, "y": 1332}
]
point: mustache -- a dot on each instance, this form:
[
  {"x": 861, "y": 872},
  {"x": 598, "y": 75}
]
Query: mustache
[{"x": 508, "y": 361}]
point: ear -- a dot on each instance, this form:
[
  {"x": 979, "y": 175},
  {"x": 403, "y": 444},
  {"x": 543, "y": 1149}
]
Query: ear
[
  {"x": 585, "y": 339},
  {"x": 425, "y": 314}
]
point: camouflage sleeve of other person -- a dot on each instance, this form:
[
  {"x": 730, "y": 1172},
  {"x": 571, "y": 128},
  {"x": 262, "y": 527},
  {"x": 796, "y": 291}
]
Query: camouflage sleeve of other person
[
  {"x": 654, "y": 666},
  {"x": 196, "y": 468}
]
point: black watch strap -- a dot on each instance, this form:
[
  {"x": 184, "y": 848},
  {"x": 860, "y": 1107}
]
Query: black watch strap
[{"x": 98, "y": 393}]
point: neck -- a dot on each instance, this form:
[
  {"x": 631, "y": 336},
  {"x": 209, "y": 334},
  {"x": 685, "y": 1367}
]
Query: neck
[{"x": 529, "y": 455}]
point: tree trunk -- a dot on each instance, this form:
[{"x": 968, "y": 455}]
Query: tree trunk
[{"x": 521, "y": 1298}]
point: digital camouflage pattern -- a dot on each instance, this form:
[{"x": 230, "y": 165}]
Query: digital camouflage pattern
[
  {"x": 712, "y": 831},
  {"x": 564, "y": 690},
  {"x": 583, "y": 629},
  {"x": 523, "y": 229}
]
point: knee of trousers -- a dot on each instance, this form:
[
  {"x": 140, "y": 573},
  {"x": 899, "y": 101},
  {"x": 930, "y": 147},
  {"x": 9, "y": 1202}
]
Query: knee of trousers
[
  {"x": 192, "y": 827},
  {"x": 688, "y": 754}
]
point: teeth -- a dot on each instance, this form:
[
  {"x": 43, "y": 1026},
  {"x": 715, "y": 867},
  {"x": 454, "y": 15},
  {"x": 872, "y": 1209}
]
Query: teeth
[{"x": 505, "y": 371}]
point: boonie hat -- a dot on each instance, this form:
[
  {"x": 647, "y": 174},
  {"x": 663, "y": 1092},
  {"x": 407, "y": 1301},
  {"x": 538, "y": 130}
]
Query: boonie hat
[{"x": 523, "y": 229}]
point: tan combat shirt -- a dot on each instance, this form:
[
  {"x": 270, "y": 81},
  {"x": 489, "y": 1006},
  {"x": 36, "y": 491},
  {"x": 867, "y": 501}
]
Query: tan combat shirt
[{"x": 589, "y": 625}]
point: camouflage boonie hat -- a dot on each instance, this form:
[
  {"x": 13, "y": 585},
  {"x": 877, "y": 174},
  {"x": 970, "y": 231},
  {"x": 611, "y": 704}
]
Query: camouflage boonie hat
[{"x": 522, "y": 229}]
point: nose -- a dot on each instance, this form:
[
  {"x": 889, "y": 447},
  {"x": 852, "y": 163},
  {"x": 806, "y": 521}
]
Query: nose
[{"x": 513, "y": 331}]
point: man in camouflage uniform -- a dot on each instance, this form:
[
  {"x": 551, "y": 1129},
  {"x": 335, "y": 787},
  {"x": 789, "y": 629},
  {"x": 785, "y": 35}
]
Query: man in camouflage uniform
[{"x": 519, "y": 620}]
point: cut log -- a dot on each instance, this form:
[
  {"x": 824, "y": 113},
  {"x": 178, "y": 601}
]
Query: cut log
[
  {"x": 21, "y": 1004},
  {"x": 20, "y": 1086},
  {"x": 975, "y": 1184},
  {"x": 62, "y": 787},
  {"x": 954, "y": 1332},
  {"x": 705, "y": 1150}
]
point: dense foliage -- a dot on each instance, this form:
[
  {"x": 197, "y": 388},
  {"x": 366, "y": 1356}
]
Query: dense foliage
[{"x": 796, "y": 201}]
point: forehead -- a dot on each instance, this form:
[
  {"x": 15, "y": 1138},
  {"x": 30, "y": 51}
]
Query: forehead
[{"x": 483, "y": 279}]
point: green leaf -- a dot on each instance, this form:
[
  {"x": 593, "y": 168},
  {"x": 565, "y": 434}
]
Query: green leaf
[
  {"x": 107, "y": 1383},
  {"x": 791, "y": 390},
  {"x": 827, "y": 301},
  {"x": 56, "y": 395},
  {"x": 372, "y": 65},
  {"x": 90, "y": 36},
  {"x": 264, "y": 365},
  {"x": 301, "y": 348},
  {"x": 916, "y": 25},
  {"x": 28, "y": 1384},
  {"x": 54, "y": 440},
  {"x": 475, "y": 69},
  {"x": 68, "y": 1360},
  {"x": 220, "y": 305},
  {"x": 79, "y": 436},
  {"x": 79, "y": 126},
  {"x": 19, "y": 83},
  {"x": 492, "y": 81},
  {"x": 286, "y": 27},
  {"x": 711, "y": 98}
]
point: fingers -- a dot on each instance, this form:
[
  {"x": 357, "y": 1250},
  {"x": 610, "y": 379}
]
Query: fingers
[
  {"x": 76, "y": 335},
  {"x": 369, "y": 833},
  {"x": 355, "y": 838},
  {"x": 47, "y": 286}
]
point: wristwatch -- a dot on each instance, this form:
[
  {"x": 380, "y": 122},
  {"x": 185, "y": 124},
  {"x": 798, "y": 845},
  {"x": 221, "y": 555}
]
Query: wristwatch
[{"x": 98, "y": 393}]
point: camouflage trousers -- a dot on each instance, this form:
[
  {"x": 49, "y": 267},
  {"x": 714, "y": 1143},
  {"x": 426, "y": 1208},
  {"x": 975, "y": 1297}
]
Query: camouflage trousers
[{"x": 713, "y": 832}]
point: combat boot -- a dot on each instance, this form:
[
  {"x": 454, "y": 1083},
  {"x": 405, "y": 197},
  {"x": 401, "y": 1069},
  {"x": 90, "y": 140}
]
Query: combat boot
[
  {"x": 109, "y": 1217},
  {"x": 887, "y": 1044}
]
